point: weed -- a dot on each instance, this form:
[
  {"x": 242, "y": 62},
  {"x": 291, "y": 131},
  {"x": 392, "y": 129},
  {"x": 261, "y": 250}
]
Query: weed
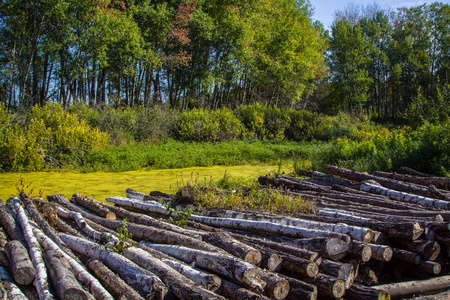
[{"x": 123, "y": 237}]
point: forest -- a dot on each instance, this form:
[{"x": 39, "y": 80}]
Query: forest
[{"x": 78, "y": 77}]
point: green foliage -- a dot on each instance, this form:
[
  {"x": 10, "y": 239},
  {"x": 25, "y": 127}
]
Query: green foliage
[
  {"x": 204, "y": 125},
  {"x": 123, "y": 237},
  {"x": 178, "y": 216}
]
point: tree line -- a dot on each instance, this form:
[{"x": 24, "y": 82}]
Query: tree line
[{"x": 198, "y": 53}]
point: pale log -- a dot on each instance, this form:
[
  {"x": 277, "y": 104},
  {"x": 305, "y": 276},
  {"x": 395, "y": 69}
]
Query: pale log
[
  {"x": 149, "y": 206},
  {"x": 340, "y": 270},
  {"x": 83, "y": 276},
  {"x": 332, "y": 248},
  {"x": 111, "y": 281},
  {"x": 137, "y": 277},
  {"x": 41, "y": 281},
  {"x": 209, "y": 281},
  {"x": 379, "y": 252},
  {"x": 94, "y": 206},
  {"x": 21, "y": 266},
  {"x": 64, "y": 282},
  {"x": 182, "y": 287},
  {"x": 405, "y": 197},
  {"x": 132, "y": 194},
  {"x": 230, "y": 267},
  {"x": 328, "y": 286},
  {"x": 264, "y": 226},
  {"x": 416, "y": 287}
]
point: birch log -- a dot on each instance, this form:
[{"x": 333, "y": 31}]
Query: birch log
[
  {"x": 84, "y": 277},
  {"x": 230, "y": 267},
  {"x": 137, "y": 277},
  {"x": 405, "y": 197},
  {"x": 208, "y": 281},
  {"x": 277, "y": 287},
  {"x": 379, "y": 252},
  {"x": 235, "y": 292},
  {"x": 41, "y": 281},
  {"x": 64, "y": 282},
  {"x": 182, "y": 287},
  {"x": 328, "y": 286},
  {"x": 21, "y": 266},
  {"x": 263, "y": 226},
  {"x": 9, "y": 224},
  {"x": 12, "y": 291},
  {"x": 111, "y": 281},
  {"x": 149, "y": 206}
]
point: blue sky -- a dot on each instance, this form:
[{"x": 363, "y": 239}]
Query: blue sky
[{"x": 325, "y": 9}]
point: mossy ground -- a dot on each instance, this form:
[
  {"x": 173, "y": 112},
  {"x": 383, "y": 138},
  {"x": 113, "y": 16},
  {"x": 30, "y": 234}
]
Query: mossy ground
[{"x": 100, "y": 185}]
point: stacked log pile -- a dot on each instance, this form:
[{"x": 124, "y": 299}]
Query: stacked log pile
[{"x": 372, "y": 236}]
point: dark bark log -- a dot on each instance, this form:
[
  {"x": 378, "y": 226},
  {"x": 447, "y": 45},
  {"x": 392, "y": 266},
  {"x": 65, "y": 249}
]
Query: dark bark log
[
  {"x": 301, "y": 290},
  {"x": 233, "y": 246},
  {"x": 94, "y": 206},
  {"x": 405, "y": 256},
  {"x": 429, "y": 250},
  {"x": 340, "y": 270},
  {"x": 367, "y": 277},
  {"x": 328, "y": 286},
  {"x": 429, "y": 267},
  {"x": 361, "y": 252},
  {"x": 330, "y": 180},
  {"x": 181, "y": 286},
  {"x": 276, "y": 286},
  {"x": 158, "y": 194},
  {"x": 291, "y": 185},
  {"x": 235, "y": 292},
  {"x": 295, "y": 251},
  {"x": 64, "y": 282},
  {"x": 379, "y": 252},
  {"x": 21, "y": 266},
  {"x": 410, "y": 171},
  {"x": 9, "y": 224},
  {"x": 111, "y": 281},
  {"x": 440, "y": 182}
]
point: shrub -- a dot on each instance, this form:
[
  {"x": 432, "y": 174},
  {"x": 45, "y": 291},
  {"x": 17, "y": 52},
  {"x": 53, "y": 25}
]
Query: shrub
[{"x": 302, "y": 125}]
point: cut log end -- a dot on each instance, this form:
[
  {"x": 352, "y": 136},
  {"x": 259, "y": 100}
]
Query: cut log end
[
  {"x": 312, "y": 269},
  {"x": 74, "y": 294},
  {"x": 110, "y": 216},
  {"x": 254, "y": 257},
  {"x": 338, "y": 289},
  {"x": 25, "y": 276}
]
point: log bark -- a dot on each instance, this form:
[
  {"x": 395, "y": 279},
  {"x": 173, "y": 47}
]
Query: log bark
[
  {"x": 137, "y": 277},
  {"x": 21, "y": 266},
  {"x": 330, "y": 179},
  {"x": 361, "y": 252},
  {"x": 11, "y": 291},
  {"x": 41, "y": 281},
  {"x": 276, "y": 286},
  {"x": 410, "y": 171},
  {"x": 9, "y": 224},
  {"x": 429, "y": 250},
  {"x": 233, "y": 246},
  {"x": 332, "y": 248},
  {"x": 228, "y": 266},
  {"x": 358, "y": 292},
  {"x": 440, "y": 182},
  {"x": 263, "y": 226},
  {"x": 209, "y": 281},
  {"x": 111, "y": 281},
  {"x": 405, "y": 256},
  {"x": 291, "y": 184},
  {"x": 429, "y": 267},
  {"x": 406, "y": 289},
  {"x": 64, "y": 282},
  {"x": 340, "y": 270},
  {"x": 149, "y": 206},
  {"x": 405, "y": 197},
  {"x": 94, "y": 206},
  {"x": 328, "y": 286},
  {"x": 84, "y": 277},
  {"x": 235, "y": 292},
  {"x": 300, "y": 290},
  {"x": 182, "y": 287},
  {"x": 379, "y": 252}
]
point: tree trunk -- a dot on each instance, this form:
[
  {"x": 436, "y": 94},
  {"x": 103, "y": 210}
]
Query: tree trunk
[
  {"x": 35, "y": 252},
  {"x": 111, "y": 281},
  {"x": 93, "y": 206},
  {"x": 277, "y": 287},
  {"x": 427, "y": 249},
  {"x": 361, "y": 252},
  {"x": 225, "y": 265},
  {"x": 149, "y": 206},
  {"x": 11, "y": 291},
  {"x": 65, "y": 284},
  {"x": 405, "y": 197},
  {"x": 181, "y": 286},
  {"x": 84, "y": 277},
  {"x": 209, "y": 281},
  {"x": 408, "y": 288},
  {"x": 137, "y": 277},
  {"x": 440, "y": 182},
  {"x": 9, "y": 224},
  {"x": 379, "y": 252},
  {"x": 21, "y": 265}
]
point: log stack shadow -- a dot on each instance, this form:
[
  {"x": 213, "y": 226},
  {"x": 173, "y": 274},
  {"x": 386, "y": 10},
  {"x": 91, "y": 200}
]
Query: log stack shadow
[{"x": 373, "y": 236}]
